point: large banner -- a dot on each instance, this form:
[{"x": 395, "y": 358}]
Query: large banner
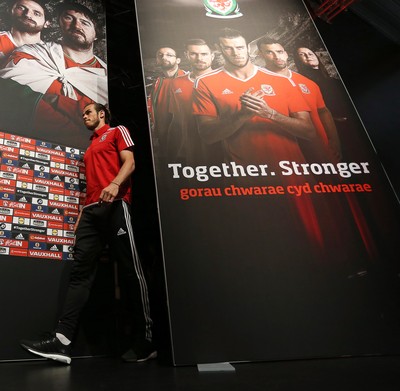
[
  {"x": 279, "y": 226},
  {"x": 52, "y": 64}
]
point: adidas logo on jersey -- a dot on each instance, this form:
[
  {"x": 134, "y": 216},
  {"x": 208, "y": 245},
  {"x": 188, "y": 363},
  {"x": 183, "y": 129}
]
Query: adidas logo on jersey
[
  {"x": 121, "y": 232},
  {"x": 227, "y": 91},
  {"x": 178, "y": 91}
]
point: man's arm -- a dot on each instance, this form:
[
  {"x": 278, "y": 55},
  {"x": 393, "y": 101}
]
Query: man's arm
[
  {"x": 331, "y": 131},
  {"x": 109, "y": 193},
  {"x": 213, "y": 129},
  {"x": 298, "y": 124},
  {"x": 214, "y": 125}
]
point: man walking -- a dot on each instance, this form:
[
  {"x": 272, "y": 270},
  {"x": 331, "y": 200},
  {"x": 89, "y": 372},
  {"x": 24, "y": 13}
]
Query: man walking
[{"x": 105, "y": 218}]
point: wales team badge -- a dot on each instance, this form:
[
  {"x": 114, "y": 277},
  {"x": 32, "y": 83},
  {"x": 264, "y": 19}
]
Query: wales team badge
[
  {"x": 268, "y": 89},
  {"x": 304, "y": 89},
  {"x": 222, "y": 9}
]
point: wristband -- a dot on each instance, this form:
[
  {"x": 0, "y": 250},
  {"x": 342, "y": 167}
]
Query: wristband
[
  {"x": 115, "y": 183},
  {"x": 272, "y": 113}
]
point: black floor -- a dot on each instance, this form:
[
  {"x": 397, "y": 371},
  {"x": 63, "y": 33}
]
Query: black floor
[{"x": 365, "y": 373}]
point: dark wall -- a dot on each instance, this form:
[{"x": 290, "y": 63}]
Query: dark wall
[
  {"x": 128, "y": 107},
  {"x": 369, "y": 64}
]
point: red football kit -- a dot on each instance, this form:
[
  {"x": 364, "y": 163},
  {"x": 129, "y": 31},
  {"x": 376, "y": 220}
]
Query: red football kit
[
  {"x": 64, "y": 113},
  {"x": 184, "y": 141},
  {"x": 313, "y": 96},
  {"x": 158, "y": 105},
  {"x": 181, "y": 96},
  {"x": 7, "y": 43},
  {"x": 318, "y": 150},
  {"x": 56, "y": 87},
  {"x": 107, "y": 223},
  {"x": 259, "y": 140},
  {"x": 183, "y": 122},
  {"x": 102, "y": 162}
]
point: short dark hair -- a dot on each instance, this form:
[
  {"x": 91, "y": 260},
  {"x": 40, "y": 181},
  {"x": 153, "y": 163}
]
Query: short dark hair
[
  {"x": 267, "y": 41},
  {"x": 42, "y": 3},
  {"x": 197, "y": 42},
  {"x": 78, "y": 7},
  {"x": 99, "y": 107},
  {"x": 230, "y": 33}
]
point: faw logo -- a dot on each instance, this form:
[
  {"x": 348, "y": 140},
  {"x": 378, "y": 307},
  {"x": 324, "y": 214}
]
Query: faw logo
[
  {"x": 222, "y": 9},
  {"x": 268, "y": 89}
]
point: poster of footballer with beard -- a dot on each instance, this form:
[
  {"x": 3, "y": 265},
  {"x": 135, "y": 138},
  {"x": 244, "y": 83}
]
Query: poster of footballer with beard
[{"x": 278, "y": 223}]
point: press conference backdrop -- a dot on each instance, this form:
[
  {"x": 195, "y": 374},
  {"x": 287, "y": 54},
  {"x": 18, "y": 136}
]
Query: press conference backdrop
[
  {"x": 42, "y": 176},
  {"x": 274, "y": 247}
]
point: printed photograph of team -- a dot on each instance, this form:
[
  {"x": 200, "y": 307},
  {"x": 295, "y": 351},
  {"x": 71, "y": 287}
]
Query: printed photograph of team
[
  {"x": 48, "y": 67},
  {"x": 252, "y": 113},
  {"x": 248, "y": 104}
]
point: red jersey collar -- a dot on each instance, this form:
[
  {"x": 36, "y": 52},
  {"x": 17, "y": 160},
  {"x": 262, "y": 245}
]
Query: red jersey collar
[{"x": 100, "y": 132}]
